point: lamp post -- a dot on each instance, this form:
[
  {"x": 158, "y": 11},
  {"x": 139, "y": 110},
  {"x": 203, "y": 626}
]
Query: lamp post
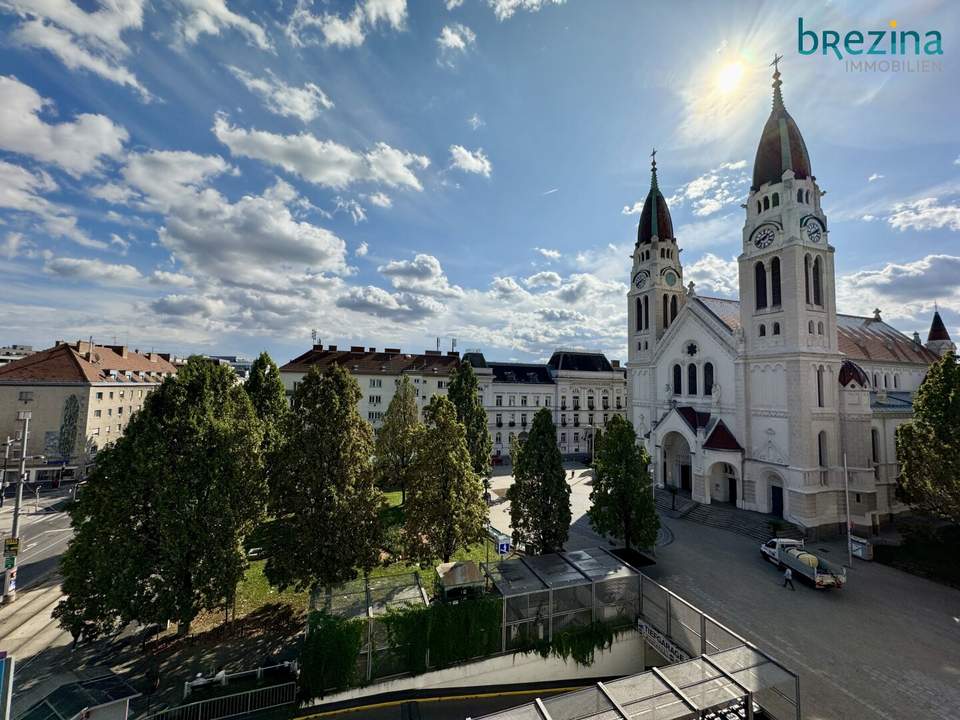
[
  {"x": 10, "y": 573},
  {"x": 7, "y": 444}
]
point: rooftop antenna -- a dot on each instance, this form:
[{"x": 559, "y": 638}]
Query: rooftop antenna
[
  {"x": 438, "y": 344},
  {"x": 313, "y": 335},
  {"x": 453, "y": 344}
]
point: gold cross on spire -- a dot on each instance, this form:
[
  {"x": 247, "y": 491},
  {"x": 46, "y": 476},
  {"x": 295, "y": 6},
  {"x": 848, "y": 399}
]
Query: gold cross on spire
[{"x": 776, "y": 62}]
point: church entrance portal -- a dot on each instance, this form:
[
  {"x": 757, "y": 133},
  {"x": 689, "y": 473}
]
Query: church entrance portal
[
  {"x": 732, "y": 489},
  {"x": 686, "y": 484},
  {"x": 677, "y": 462},
  {"x": 776, "y": 501}
]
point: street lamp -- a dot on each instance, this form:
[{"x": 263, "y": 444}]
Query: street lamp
[{"x": 11, "y": 551}]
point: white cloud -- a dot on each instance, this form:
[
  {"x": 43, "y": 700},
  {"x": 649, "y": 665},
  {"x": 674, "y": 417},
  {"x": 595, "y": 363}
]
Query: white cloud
[
  {"x": 381, "y": 200},
  {"x": 323, "y": 162},
  {"x": 506, "y": 287},
  {"x": 12, "y": 242},
  {"x": 454, "y": 40},
  {"x": 548, "y": 253},
  {"x": 561, "y": 315},
  {"x": 422, "y": 275},
  {"x": 957, "y": 161},
  {"x": 875, "y": 176},
  {"x": 634, "y": 209},
  {"x": 164, "y": 277},
  {"x": 168, "y": 177},
  {"x": 22, "y": 190},
  {"x": 352, "y": 208},
  {"x": 122, "y": 243},
  {"x": 712, "y": 191},
  {"x": 188, "y": 305},
  {"x": 90, "y": 41},
  {"x": 454, "y": 4},
  {"x": 711, "y": 274},
  {"x": 545, "y": 278},
  {"x": 209, "y": 17},
  {"x": 94, "y": 271},
  {"x": 362, "y": 250},
  {"x": 868, "y": 217},
  {"x": 304, "y": 103},
  {"x": 928, "y": 279},
  {"x": 505, "y": 9},
  {"x": 925, "y": 214},
  {"x": 583, "y": 287},
  {"x": 475, "y": 122},
  {"x": 76, "y": 146},
  {"x": 334, "y": 30},
  {"x": 470, "y": 161}
]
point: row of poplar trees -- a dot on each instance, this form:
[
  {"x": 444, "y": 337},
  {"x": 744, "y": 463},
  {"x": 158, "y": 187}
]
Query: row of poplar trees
[{"x": 161, "y": 525}]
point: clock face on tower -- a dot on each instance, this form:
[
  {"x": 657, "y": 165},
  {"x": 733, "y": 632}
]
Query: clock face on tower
[
  {"x": 640, "y": 279},
  {"x": 813, "y": 230},
  {"x": 671, "y": 278},
  {"x": 764, "y": 236}
]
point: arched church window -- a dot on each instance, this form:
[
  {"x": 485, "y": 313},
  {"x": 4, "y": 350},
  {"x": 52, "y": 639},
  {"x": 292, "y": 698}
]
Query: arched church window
[
  {"x": 759, "y": 208},
  {"x": 776, "y": 199},
  {"x": 886, "y": 381},
  {"x": 677, "y": 377},
  {"x": 817, "y": 282},
  {"x": 776, "y": 328},
  {"x": 875, "y": 445},
  {"x": 766, "y": 202},
  {"x": 762, "y": 332},
  {"x": 799, "y": 196},
  {"x": 896, "y": 381},
  {"x": 775, "y": 281},
  {"x": 639, "y": 311},
  {"x": 807, "y": 195},
  {"x": 820, "y": 386},
  {"x": 760, "y": 283},
  {"x": 810, "y": 327},
  {"x": 822, "y": 448},
  {"x": 666, "y": 312},
  {"x": 708, "y": 379},
  {"x": 691, "y": 379},
  {"x": 820, "y": 328},
  {"x": 806, "y": 277},
  {"x": 673, "y": 308},
  {"x": 876, "y": 381},
  {"x": 646, "y": 313}
]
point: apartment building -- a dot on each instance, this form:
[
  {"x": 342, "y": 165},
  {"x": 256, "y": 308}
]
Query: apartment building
[{"x": 81, "y": 397}]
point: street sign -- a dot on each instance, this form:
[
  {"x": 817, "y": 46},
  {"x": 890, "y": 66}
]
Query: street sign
[
  {"x": 8, "y": 562},
  {"x": 503, "y": 545},
  {"x": 11, "y": 547}
]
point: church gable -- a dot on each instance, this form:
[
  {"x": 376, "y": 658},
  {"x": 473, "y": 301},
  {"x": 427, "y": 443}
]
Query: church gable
[{"x": 696, "y": 325}]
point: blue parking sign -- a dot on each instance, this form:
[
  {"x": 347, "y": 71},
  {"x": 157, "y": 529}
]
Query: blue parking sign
[{"x": 503, "y": 545}]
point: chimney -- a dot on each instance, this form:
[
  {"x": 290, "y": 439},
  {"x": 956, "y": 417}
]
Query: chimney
[
  {"x": 332, "y": 348},
  {"x": 373, "y": 350},
  {"x": 916, "y": 337},
  {"x": 453, "y": 353},
  {"x": 876, "y": 315},
  {"x": 120, "y": 350},
  {"x": 356, "y": 348},
  {"x": 318, "y": 348},
  {"x": 615, "y": 363},
  {"x": 432, "y": 352},
  {"x": 164, "y": 356},
  {"x": 395, "y": 351}
]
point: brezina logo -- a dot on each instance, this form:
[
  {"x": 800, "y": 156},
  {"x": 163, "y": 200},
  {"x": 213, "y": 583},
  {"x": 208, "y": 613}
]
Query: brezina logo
[{"x": 875, "y": 42}]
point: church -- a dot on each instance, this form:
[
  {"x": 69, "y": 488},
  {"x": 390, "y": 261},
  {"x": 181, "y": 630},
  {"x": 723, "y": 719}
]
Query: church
[{"x": 763, "y": 402}]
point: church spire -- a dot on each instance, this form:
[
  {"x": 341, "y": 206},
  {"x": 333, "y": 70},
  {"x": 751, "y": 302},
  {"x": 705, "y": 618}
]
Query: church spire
[
  {"x": 654, "y": 191},
  {"x": 655, "y": 220},
  {"x": 777, "y": 95},
  {"x": 781, "y": 146}
]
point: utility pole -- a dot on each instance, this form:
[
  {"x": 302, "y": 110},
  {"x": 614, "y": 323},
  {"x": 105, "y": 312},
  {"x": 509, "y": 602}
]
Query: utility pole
[
  {"x": 846, "y": 492},
  {"x": 10, "y": 573},
  {"x": 3, "y": 478}
]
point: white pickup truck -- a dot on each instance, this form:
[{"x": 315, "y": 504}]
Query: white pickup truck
[{"x": 822, "y": 574}]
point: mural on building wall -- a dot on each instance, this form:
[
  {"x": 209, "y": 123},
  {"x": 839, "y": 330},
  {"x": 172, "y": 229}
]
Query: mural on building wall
[{"x": 68, "y": 427}]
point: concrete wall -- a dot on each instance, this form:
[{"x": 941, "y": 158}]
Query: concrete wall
[{"x": 625, "y": 657}]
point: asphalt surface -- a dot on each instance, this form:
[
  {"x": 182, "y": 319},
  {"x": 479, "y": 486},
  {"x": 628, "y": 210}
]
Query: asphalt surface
[{"x": 44, "y": 533}]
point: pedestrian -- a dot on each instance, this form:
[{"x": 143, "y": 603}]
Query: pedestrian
[{"x": 788, "y": 578}]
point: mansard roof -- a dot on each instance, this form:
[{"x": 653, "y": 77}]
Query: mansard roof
[
  {"x": 526, "y": 373},
  {"x": 367, "y": 361},
  {"x": 579, "y": 361}
]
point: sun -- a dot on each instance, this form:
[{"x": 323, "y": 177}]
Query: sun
[{"x": 729, "y": 77}]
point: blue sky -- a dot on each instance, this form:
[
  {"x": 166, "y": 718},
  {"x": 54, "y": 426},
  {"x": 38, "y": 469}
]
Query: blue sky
[{"x": 226, "y": 177}]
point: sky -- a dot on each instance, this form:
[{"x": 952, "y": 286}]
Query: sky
[{"x": 227, "y": 177}]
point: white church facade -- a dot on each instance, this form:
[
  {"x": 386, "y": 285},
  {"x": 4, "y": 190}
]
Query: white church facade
[{"x": 757, "y": 402}]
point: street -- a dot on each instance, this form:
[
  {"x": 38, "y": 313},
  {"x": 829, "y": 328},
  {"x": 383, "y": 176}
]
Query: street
[
  {"x": 887, "y": 645},
  {"x": 44, "y": 532}
]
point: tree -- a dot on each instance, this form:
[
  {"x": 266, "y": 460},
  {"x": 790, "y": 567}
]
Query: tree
[
  {"x": 540, "y": 496},
  {"x": 464, "y": 393},
  {"x": 396, "y": 445},
  {"x": 622, "y": 496},
  {"x": 445, "y": 510},
  {"x": 928, "y": 447},
  {"x": 159, "y": 527},
  {"x": 323, "y": 496},
  {"x": 265, "y": 388}
]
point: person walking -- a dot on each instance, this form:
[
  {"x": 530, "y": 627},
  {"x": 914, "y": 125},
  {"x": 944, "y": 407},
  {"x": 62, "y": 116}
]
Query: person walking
[{"x": 788, "y": 578}]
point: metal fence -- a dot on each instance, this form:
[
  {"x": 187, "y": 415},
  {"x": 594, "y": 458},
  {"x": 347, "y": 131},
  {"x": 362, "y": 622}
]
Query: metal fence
[{"x": 229, "y": 706}]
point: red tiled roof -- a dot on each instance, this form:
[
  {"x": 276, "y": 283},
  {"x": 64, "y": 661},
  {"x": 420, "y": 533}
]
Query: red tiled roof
[
  {"x": 79, "y": 363},
  {"x": 721, "y": 438},
  {"x": 372, "y": 363}
]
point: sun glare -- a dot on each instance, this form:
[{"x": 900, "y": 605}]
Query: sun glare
[{"x": 729, "y": 77}]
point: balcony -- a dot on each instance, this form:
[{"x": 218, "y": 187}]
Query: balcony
[
  {"x": 499, "y": 423},
  {"x": 563, "y": 423},
  {"x": 590, "y": 406},
  {"x": 512, "y": 423},
  {"x": 606, "y": 406},
  {"x": 576, "y": 423},
  {"x": 576, "y": 406}
]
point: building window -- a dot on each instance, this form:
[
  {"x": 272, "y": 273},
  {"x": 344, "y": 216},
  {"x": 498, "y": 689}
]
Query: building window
[
  {"x": 97, "y": 413},
  {"x": 896, "y": 381},
  {"x": 440, "y": 385},
  {"x": 576, "y": 402},
  {"x": 499, "y": 420},
  {"x": 511, "y": 400},
  {"x": 760, "y": 284},
  {"x": 523, "y": 401},
  {"x": 119, "y": 411},
  {"x": 766, "y": 202},
  {"x": 875, "y": 445},
  {"x": 563, "y": 419},
  {"x": 691, "y": 379},
  {"x": 807, "y": 196},
  {"x": 499, "y": 400},
  {"x": 806, "y": 278},
  {"x": 759, "y": 207},
  {"x": 810, "y": 327},
  {"x": 775, "y": 282},
  {"x": 375, "y": 399},
  {"x": 876, "y": 381},
  {"x": 666, "y": 313},
  {"x": 375, "y": 382},
  {"x": 576, "y": 420},
  {"x": 499, "y": 439},
  {"x": 590, "y": 419},
  {"x": 820, "y": 386},
  {"x": 546, "y": 401},
  {"x": 639, "y": 310},
  {"x": 886, "y": 381},
  {"x": 820, "y": 328},
  {"x": 762, "y": 330},
  {"x": 822, "y": 448},
  {"x": 673, "y": 308},
  {"x": 576, "y": 437},
  {"x": 646, "y": 312},
  {"x": 776, "y": 328},
  {"x": 708, "y": 379},
  {"x": 817, "y": 282},
  {"x": 563, "y": 438},
  {"x": 605, "y": 418},
  {"x": 677, "y": 378},
  {"x": 99, "y": 396},
  {"x": 25, "y": 396},
  {"x": 523, "y": 420},
  {"x": 110, "y": 395},
  {"x": 776, "y": 199},
  {"x": 799, "y": 196}
]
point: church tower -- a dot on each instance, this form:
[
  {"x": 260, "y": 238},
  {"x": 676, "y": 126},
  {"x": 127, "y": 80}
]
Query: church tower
[
  {"x": 938, "y": 339},
  {"x": 790, "y": 361},
  {"x": 656, "y": 281}
]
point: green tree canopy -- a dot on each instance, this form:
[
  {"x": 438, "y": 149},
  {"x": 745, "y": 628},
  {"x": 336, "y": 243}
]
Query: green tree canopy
[
  {"x": 622, "y": 496},
  {"x": 396, "y": 444},
  {"x": 540, "y": 496},
  {"x": 464, "y": 393},
  {"x": 323, "y": 496},
  {"x": 445, "y": 510},
  {"x": 928, "y": 447},
  {"x": 265, "y": 388},
  {"x": 159, "y": 527}
]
